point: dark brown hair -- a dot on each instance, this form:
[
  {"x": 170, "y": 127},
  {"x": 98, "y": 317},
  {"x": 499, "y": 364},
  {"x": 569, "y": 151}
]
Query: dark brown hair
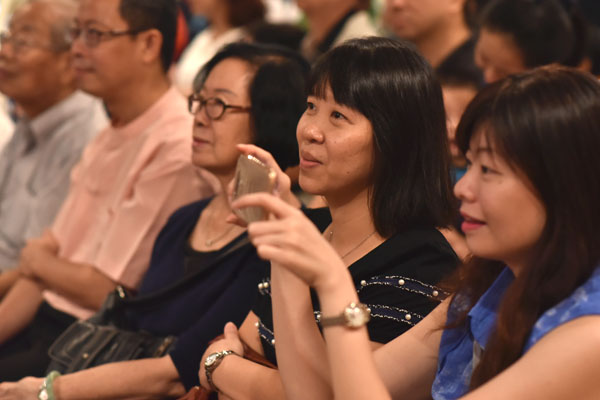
[
  {"x": 393, "y": 86},
  {"x": 545, "y": 123},
  {"x": 243, "y": 12}
]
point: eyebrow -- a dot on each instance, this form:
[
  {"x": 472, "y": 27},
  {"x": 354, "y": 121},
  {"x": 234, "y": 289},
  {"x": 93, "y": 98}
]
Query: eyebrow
[
  {"x": 220, "y": 90},
  {"x": 484, "y": 149}
]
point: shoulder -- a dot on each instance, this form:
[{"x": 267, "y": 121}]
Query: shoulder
[
  {"x": 359, "y": 24},
  {"x": 419, "y": 253},
  {"x": 188, "y": 213},
  {"x": 584, "y": 301}
]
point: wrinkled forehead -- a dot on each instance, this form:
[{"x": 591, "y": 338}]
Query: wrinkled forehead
[{"x": 33, "y": 18}]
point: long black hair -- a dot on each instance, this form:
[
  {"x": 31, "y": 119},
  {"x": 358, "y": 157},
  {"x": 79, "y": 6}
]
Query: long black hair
[{"x": 395, "y": 89}]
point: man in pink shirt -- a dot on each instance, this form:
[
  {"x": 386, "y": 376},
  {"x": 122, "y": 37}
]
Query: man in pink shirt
[{"x": 130, "y": 179}]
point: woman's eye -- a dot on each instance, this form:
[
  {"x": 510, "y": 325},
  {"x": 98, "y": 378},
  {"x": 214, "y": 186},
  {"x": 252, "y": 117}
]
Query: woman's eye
[
  {"x": 337, "y": 115},
  {"x": 310, "y": 106}
]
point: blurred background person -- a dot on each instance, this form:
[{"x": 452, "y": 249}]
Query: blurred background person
[
  {"x": 131, "y": 177},
  {"x": 331, "y": 22},
  {"x": 439, "y": 28},
  {"x": 226, "y": 18},
  {"x": 57, "y": 123},
  {"x": 516, "y": 35}
]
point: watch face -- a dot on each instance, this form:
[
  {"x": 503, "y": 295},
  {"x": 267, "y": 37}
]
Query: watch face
[
  {"x": 357, "y": 316},
  {"x": 210, "y": 360}
]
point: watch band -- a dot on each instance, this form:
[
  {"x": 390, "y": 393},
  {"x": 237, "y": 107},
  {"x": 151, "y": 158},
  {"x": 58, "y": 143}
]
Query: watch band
[
  {"x": 354, "y": 316},
  {"x": 212, "y": 362}
]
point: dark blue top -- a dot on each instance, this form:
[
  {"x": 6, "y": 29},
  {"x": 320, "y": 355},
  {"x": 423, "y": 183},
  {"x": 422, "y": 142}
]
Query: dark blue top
[
  {"x": 198, "y": 314},
  {"x": 460, "y": 348}
]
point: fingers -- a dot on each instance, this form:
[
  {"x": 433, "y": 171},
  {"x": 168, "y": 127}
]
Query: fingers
[
  {"x": 261, "y": 154},
  {"x": 273, "y": 205},
  {"x": 230, "y": 331}
]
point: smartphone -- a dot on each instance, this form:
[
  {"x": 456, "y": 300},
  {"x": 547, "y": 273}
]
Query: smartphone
[{"x": 251, "y": 176}]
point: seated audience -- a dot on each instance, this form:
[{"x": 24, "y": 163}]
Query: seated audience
[
  {"x": 6, "y": 128},
  {"x": 529, "y": 199},
  {"x": 286, "y": 35},
  {"x": 439, "y": 28},
  {"x": 131, "y": 177},
  {"x": 516, "y": 35},
  {"x": 226, "y": 20},
  {"x": 58, "y": 122},
  {"x": 331, "y": 22},
  {"x": 241, "y": 75},
  {"x": 377, "y": 151}
]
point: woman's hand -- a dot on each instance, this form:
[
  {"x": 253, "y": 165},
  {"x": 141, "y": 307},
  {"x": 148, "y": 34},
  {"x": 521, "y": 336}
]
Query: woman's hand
[
  {"x": 283, "y": 182},
  {"x": 231, "y": 341},
  {"x": 26, "y": 388},
  {"x": 291, "y": 240}
]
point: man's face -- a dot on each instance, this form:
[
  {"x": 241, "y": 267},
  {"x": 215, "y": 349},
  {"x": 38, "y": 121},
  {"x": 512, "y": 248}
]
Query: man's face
[
  {"x": 30, "y": 65},
  {"x": 103, "y": 67},
  {"x": 410, "y": 19}
]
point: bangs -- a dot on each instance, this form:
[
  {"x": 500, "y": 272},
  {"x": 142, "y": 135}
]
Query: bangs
[{"x": 333, "y": 71}]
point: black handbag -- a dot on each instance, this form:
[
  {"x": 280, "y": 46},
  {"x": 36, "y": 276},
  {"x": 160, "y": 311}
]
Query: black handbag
[{"x": 106, "y": 336}]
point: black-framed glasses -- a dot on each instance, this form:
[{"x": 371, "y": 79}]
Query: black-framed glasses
[
  {"x": 213, "y": 106},
  {"x": 20, "y": 43},
  {"x": 93, "y": 37}
]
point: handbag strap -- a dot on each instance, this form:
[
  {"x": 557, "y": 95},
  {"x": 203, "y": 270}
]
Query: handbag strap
[{"x": 174, "y": 288}]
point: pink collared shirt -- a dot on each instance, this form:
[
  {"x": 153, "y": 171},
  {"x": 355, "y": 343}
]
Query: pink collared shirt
[{"x": 129, "y": 181}]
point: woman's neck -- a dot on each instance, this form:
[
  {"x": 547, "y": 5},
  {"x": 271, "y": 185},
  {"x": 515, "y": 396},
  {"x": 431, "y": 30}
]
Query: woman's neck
[{"x": 352, "y": 231}]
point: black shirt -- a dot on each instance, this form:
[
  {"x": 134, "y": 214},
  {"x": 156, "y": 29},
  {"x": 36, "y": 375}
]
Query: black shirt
[{"x": 396, "y": 280}]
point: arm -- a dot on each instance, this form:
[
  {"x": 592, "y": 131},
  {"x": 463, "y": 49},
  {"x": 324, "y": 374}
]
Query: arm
[
  {"x": 301, "y": 351},
  {"x": 81, "y": 283},
  {"x": 564, "y": 364},
  {"x": 236, "y": 377},
  {"x": 7, "y": 279},
  {"x": 18, "y": 307},
  {"x": 292, "y": 242},
  {"x": 151, "y": 378}
]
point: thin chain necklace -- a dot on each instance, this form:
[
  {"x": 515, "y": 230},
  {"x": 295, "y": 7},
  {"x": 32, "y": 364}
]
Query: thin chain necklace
[
  {"x": 210, "y": 242},
  {"x": 355, "y": 247}
]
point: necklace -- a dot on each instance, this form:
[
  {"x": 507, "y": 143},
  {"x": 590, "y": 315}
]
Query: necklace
[
  {"x": 210, "y": 242},
  {"x": 355, "y": 247}
]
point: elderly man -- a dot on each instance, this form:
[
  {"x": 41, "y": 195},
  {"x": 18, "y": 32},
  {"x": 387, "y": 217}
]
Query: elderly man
[
  {"x": 57, "y": 122},
  {"x": 133, "y": 175}
]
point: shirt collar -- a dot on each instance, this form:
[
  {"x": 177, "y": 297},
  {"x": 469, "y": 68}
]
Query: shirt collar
[{"x": 41, "y": 127}]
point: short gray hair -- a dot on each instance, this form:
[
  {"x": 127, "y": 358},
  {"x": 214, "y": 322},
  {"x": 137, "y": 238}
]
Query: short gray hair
[{"x": 65, "y": 11}]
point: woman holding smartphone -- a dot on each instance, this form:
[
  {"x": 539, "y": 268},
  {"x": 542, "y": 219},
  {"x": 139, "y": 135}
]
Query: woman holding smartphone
[
  {"x": 525, "y": 320},
  {"x": 372, "y": 142},
  {"x": 237, "y": 99}
]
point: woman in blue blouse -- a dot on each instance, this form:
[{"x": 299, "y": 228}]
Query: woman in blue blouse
[{"x": 525, "y": 320}]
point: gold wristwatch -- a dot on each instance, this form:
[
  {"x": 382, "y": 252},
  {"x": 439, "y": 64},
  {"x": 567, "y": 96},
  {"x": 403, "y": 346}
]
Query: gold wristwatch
[
  {"x": 354, "y": 316},
  {"x": 212, "y": 362}
]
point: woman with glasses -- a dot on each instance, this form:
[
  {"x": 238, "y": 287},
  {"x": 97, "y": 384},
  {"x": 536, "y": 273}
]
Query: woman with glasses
[
  {"x": 237, "y": 100},
  {"x": 373, "y": 143}
]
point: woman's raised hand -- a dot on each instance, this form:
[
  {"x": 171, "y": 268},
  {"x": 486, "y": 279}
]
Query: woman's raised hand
[
  {"x": 283, "y": 183},
  {"x": 289, "y": 239}
]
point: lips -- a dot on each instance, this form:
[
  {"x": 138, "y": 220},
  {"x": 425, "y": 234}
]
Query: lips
[
  {"x": 308, "y": 160},
  {"x": 470, "y": 223},
  {"x": 197, "y": 142}
]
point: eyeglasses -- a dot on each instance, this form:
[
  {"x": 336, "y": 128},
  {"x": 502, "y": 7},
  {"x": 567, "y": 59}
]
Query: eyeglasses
[
  {"x": 92, "y": 37},
  {"x": 19, "y": 43},
  {"x": 213, "y": 106}
]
